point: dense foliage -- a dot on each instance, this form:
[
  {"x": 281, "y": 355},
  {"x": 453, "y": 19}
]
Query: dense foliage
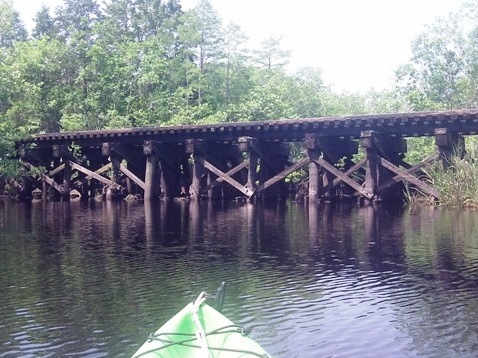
[{"x": 130, "y": 63}]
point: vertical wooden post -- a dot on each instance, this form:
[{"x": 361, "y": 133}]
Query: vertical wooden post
[
  {"x": 252, "y": 172},
  {"x": 44, "y": 190},
  {"x": 448, "y": 144},
  {"x": 198, "y": 171},
  {"x": 313, "y": 153},
  {"x": 330, "y": 148},
  {"x": 115, "y": 179},
  {"x": 66, "y": 183},
  {"x": 245, "y": 145},
  {"x": 390, "y": 149},
  {"x": 314, "y": 175},
  {"x": 57, "y": 177},
  {"x": 172, "y": 170},
  {"x": 151, "y": 189},
  {"x": 393, "y": 149},
  {"x": 367, "y": 140},
  {"x": 96, "y": 160}
]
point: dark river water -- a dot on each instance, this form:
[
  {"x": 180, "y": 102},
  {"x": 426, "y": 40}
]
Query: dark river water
[{"x": 94, "y": 279}]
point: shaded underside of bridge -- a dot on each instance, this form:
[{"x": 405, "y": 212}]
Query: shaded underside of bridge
[{"x": 250, "y": 159}]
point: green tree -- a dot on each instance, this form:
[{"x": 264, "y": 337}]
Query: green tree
[
  {"x": 442, "y": 73},
  {"x": 202, "y": 32},
  {"x": 44, "y": 24},
  {"x": 270, "y": 54},
  {"x": 12, "y": 29},
  {"x": 32, "y": 75},
  {"x": 306, "y": 97}
]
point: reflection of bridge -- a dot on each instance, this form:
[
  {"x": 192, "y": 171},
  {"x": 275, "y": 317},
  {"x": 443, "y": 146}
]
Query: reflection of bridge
[{"x": 253, "y": 158}]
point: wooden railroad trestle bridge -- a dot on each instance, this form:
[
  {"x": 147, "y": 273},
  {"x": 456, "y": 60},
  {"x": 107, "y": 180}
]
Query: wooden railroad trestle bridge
[{"x": 247, "y": 160}]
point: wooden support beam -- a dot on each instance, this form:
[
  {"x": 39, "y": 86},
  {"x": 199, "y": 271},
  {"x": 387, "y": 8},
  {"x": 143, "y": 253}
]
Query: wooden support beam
[
  {"x": 225, "y": 177},
  {"x": 406, "y": 176},
  {"x": 228, "y": 173},
  {"x": 314, "y": 174},
  {"x": 56, "y": 170},
  {"x": 151, "y": 189},
  {"x": 411, "y": 170},
  {"x": 45, "y": 178},
  {"x": 133, "y": 177},
  {"x": 282, "y": 174},
  {"x": 66, "y": 182},
  {"x": 347, "y": 173},
  {"x": 197, "y": 176},
  {"x": 94, "y": 175},
  {"x": 330, "y": 168},
  {"x": 98, "y": 171}
]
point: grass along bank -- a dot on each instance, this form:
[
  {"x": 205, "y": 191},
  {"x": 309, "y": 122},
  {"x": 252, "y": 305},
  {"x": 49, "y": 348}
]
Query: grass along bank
[{"x": 456, "y": 181}]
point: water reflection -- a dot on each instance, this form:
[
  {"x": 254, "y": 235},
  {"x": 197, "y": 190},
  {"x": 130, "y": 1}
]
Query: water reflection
[{"x": 335, "y": 280}]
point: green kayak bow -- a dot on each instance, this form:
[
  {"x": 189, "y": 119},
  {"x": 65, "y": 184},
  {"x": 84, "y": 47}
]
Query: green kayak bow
[{"x": 200, "y": 331}]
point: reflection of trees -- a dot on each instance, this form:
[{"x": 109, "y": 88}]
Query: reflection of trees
[
  {"x": 120, "y": 270},
  {"x": 365, "y": 238},
  {"x": 437, "y": 305}
]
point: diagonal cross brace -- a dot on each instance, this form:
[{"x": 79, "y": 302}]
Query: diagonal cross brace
[
  {"x": 94, "y": 175},
  {"x": 132, "y": 176},
  {"x": 228, "y": 173},
  {"x": 404, "y": 174},
  {"x": 347, "y": 173},
  {"x": 247, "y": 192},
  {"x": 45, "y": 178},
  {"x": 411, "y": 170},
  {"x": 331, "y": 169},
  {"x": 282, "y": 174}
]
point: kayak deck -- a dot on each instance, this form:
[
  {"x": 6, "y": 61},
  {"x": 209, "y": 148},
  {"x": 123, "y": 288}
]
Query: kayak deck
[{"x": 199, "y": 330}]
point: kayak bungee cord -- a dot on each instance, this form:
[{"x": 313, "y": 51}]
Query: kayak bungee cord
[
  {"x": 185, "y": 334},
  {"x": 192, "y": 337},
  {"x": 200, "y": 335}
]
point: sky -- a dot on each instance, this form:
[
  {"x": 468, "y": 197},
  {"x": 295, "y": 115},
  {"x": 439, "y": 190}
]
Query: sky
[{"x": 357, "y": 44}]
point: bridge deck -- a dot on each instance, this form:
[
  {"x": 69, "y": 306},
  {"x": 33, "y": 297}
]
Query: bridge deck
[{"x": 287, "y": 130}]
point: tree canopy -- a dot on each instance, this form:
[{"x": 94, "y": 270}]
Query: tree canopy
[{"x": 129, "y": 63}]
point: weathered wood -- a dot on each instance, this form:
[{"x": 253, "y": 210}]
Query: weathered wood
[
  {"x": 252, "y": 172},
  {"x": 333, "y": 149},
  {"x": 282, "y": 174},
  {"x": 381, "y": 137},
  {"x": 225, "y": 177},
  {"x": 344, "y": 178},
  {"x": 198, "y": 171},
  {"x": 89, "y": 177},
  {"x": 411, "y": 170},
  {"x": 449, "y": 143},
  {"x": 94, "y": 175},
  {"x": 66, "y": 182},
  {"x": 400, "y": 124},
  {"x": 314, "y": 171},
  {"x": 347, "y": 173},
  {"x": 116, "y": 162},
  {"x": 56, "y": 170},
  {"x": 45, "y": 178},
  {"x": 132, "y": 176},
  {"x": 150, "y": 188},
  {"x": 229, "y": 173},
  {"x": 406, "y": 176},
  {"x": 369, "y": 141}
]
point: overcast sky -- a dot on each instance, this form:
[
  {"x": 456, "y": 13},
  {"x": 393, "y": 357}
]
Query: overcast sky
[{"x": 356, "y": 43}]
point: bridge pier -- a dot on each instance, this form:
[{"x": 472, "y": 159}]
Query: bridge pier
[
  {"x": 378, "y": 149},
  {"x": 448, "y": 143},
  {"x": 151, "y": 189},
  {"x": 174, "y": 172},
  {"x": 323, "y": 154}
]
